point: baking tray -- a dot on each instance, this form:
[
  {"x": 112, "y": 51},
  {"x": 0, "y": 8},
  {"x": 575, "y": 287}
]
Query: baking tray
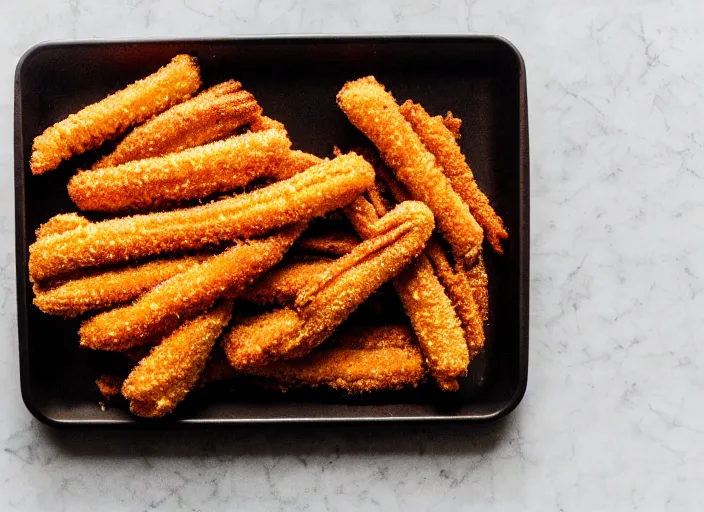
[{"x": 479, "y": 78}]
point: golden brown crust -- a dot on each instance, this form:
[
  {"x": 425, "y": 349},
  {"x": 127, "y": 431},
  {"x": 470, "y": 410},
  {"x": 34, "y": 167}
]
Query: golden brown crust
[
  {"x": 468, "y": 291},
  {"x": 454, "y": 124},
  {"x": 326, "y": 301},
  {"x": 60, "y": 224},
  {"x": 309, "y": 194},
  {"x": 102, "y": 289},
  {"x": 432, "y": 315},
  {"x": 441, "y": 142},
  {"x": 213, "y": 114},
  {"x": 293, "y": 162},
  {"x": 281, "y": 285},
  {"x": 194, "y": 173},
  {"x": 375, "y": 113},
  {"x": 163, "y": 379},
  {"x": 162, "y": 309},
  {"x": 384, "y": 359},
  {"x": 262, "y": 123},
  {"x": 467, "y": 288},
  {"x": 112, "y": 116}
]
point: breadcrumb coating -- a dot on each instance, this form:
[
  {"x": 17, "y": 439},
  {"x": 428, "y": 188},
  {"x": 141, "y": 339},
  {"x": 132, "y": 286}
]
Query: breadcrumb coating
[
  {"x": 282, "y": 284},
  {"x": 262, "y": 123},
  {"x": 60, "y": 224},
  {"x": 105, "y": 288},
  {"x": 163, "y": 308},
  {"x": 468, "y": 294},
  {"x": 213, "y": 114},
  {"x": 375, "y": 113},
  {"x": 467, "y": 288},
  {"x": 333, "y": 244},
  {"x": 326, "y": 301},
  {"x": 454, "y": 124},
  {"x": 112, "y": 116},
  {"x": 441, "y": 142},
  {"x": 293, "y": 162},
  {"x": 309, "y": 194},
  {"x": 384, "y": 358},
  {"x": 373, "y": 337},
  {"x": 432, "y": 315},
  {"x": 194, "y": 173},
  {"x": 163, "y": 379}
]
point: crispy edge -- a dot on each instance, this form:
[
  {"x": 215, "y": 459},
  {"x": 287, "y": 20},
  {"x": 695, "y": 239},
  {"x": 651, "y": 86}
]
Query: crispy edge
[
  {"x": 215, "y": 113},
  {"x": 163, "y": 379},
  {"x": 385, "y": 358},
  {"x": 375, "y": 113},
  {"x": 441, "y": 142},
  {"x": 105, "y": 288},
  {"x": 311, "y": 193},
  {"x": 281, "y": 285},
  {"x": 94, "y": 124},
  {"x": 184, "y": 295},
  {"x": 60, "y": 224},
  {"x": 193, "y": 173},
  {"x": 426, "y": 303},
  {"x": 326, "y": 301}
]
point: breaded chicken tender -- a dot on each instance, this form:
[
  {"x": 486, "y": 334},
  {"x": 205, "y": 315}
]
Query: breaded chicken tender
[
  {"x": 382, "y": 358},
  {"x": 326, "y": 301},
  {"x": 112, "y": 116},
  {"x": 163, "y": 379},
  {"x": 440, "y": 141},
  {"x": 308, "y": 194},
  {"x": 375, "y": 113},
  {"x": 468, "y": 291},
  {"x": 104, "y": 288},
  {"x": 430, "y": 310},
  {"x": 467, "y": 288},
  {"x": 213, "y": 114},
  {"x": 194, "y": 173},
  {"x": 166, "y": 306}
]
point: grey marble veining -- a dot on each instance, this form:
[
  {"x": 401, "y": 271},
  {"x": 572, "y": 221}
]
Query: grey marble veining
[{"x": 612, "y": 419}]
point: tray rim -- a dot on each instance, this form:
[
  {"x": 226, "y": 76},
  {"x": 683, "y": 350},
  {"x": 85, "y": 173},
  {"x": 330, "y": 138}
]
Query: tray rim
[{"x": 21, "y": 247}]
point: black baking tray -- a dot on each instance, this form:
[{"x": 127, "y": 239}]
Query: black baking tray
[{"x": 481, "y": 79}]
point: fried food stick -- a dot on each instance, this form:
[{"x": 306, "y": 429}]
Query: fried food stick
[
  {"x": 311, "y": 193},
  {"x": 468, "y": 291},
  {"x": 375, "y": 113},
  {"x": 211, "y": 115},
  {"x": 326, "y": 301},
  {"x": 281, "y": 285},
  {"x": 382, "y": 358},
  {"x": 292, "y": 163},
  {"x": 431, "y": 312},
  {"x": 262, "y": 123},
  {"x": 165, "y": 307},
  {"x": 441, "y": 142},
  {"x": 194, "y": 173},
  {"x": 60, "y": 224},
  {"x": 105, "y": 288},
  {"x": 466, "y": 288},
  {"x": 163, "y": 379},
  {"x": 112, "y": 116},
  {"x": 334, "y": 244},
  {"x": 296, "y": 160}
]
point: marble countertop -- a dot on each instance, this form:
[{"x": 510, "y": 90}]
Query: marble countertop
[{"x": 612, "y": 419}]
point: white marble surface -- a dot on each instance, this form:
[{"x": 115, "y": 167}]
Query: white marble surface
[{"x": 612, "y": 419}]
